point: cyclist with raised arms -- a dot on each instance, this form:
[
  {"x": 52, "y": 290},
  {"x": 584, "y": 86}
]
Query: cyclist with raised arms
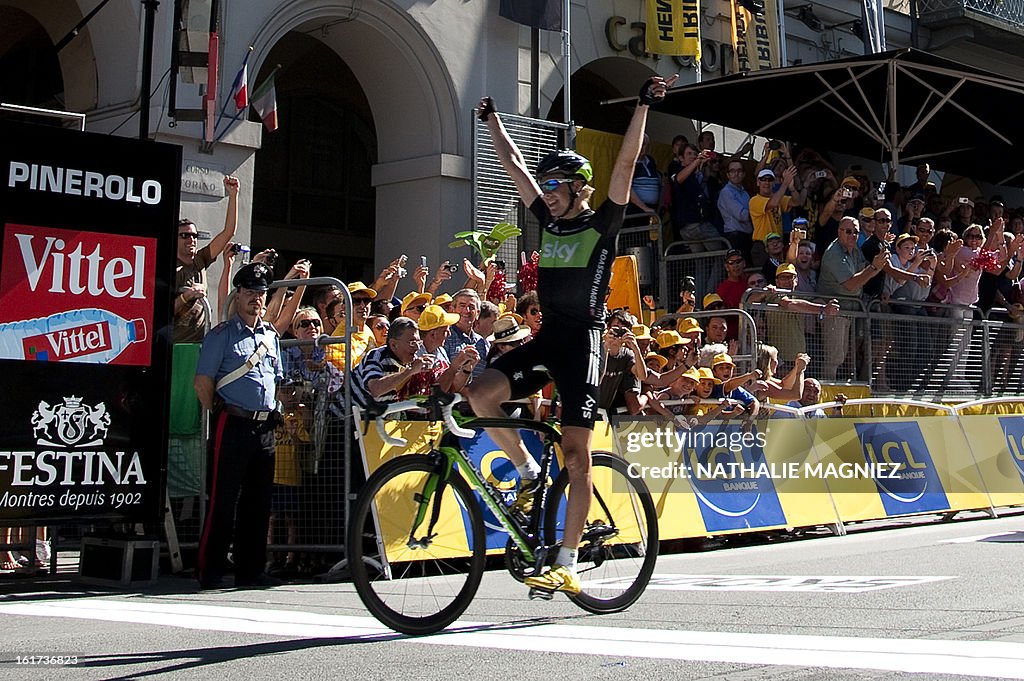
[{"x": 577, "y": 251}]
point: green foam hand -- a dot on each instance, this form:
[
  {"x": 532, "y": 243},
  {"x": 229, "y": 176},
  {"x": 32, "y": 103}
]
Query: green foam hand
[{"x": 486, "y": 243}]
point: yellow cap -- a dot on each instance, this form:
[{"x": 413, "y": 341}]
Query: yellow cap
[
  {"x": 434, "y": 317},
  {"x": 413, "y": 299}
]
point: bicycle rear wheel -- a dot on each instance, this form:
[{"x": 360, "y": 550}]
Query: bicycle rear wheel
[
  {"x": 620, "y": 541},
  {"x": 416, "y": 585}
]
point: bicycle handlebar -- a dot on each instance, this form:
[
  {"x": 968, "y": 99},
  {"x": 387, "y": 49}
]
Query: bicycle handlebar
[{"x": 407, "y": 405}]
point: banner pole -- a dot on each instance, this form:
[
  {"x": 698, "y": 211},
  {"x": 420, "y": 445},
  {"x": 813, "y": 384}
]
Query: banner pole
[
  {"x": 783, "y": 56},
  {"x": 570, "y": 133}
]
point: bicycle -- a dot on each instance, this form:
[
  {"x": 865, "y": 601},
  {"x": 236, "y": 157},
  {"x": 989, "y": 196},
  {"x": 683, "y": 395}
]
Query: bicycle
[{"x": 417, "y": 568}]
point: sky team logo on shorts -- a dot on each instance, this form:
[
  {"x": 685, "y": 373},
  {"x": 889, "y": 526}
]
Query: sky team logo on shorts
[
  {"x": 729, "y": 495},
  {"x": 916, "y": 488},
  {"x": 1013, "y": 430}
]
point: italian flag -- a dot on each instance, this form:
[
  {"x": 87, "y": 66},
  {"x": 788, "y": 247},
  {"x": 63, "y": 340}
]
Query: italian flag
[{"x": 264, "y": 100}]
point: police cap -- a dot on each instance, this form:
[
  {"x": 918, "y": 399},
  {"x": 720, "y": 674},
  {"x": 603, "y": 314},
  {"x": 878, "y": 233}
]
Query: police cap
[{"x": 255, "y": 276}]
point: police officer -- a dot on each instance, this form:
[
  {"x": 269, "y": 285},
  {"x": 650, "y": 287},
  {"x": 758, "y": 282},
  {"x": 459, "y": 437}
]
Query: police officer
[{"x": 239, "y": 367}]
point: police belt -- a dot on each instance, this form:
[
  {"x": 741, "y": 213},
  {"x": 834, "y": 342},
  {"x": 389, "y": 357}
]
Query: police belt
[{"x": 232, "y": 410}]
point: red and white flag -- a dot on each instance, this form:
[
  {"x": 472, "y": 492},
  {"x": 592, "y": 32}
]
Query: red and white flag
[{"x": 264, "y": 100}]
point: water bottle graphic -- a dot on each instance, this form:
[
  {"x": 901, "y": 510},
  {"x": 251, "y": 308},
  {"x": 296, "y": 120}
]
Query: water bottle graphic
[{"x": 89, "y": 335}]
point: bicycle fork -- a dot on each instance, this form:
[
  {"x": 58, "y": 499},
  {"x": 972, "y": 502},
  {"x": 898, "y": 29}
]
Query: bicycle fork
[{"x": 432, "y": 488}]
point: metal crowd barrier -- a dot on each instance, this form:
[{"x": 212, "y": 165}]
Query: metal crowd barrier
[
  {"x": 1002, "y": 340},
  {"x": 918, "y": 353},
  {"x": 313, "y": 469},
  {"x": 747, "y": 334},
  {"x": 902, "y": 348},
  {"x": 641, "y": 238},
  {"x": 838, "y": 346},
  {"x": 706, "y": 267}
]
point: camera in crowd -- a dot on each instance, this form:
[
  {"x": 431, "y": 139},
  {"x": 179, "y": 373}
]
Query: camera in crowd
[
  {"x": 774, "y": 145},
  {"x": 619, "y": 331},
  {"x": 689, "y": 284},
  {"x": 241, "y": 249}
]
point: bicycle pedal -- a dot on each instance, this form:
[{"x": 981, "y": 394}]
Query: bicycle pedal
[
  {"x": 541, "y": 594},
  {"x": 598, "y": 533}
]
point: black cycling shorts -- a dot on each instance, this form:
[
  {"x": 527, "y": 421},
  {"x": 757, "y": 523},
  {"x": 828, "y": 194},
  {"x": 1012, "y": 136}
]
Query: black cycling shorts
[{"x": 572, "y": 356}]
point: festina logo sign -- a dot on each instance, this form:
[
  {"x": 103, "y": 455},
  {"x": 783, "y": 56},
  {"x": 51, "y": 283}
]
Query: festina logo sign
[{"x": 68, "y": 295}]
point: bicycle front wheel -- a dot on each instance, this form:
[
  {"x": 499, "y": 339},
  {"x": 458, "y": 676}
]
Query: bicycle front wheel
[
  {"x": 619, "y": 547},
  {"x": 416, "y": 581}
]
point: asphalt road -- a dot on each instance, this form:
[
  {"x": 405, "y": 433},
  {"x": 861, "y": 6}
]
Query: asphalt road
[{"x": 921, "y": 600}]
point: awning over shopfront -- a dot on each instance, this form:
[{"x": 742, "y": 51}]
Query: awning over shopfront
[{"x": 904, "y": 106}]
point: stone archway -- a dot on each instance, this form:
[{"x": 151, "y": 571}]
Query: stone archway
[
  {"x": 612, "y": 78},
  {"x": 414, "y": 107},
  {"x": 30, "y": 30}
]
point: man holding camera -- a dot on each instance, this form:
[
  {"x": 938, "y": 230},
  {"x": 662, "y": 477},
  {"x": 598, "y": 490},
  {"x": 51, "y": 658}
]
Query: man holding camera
[
  {"x": 236, "y": 380},
  {"x": 767, "y": 207},
  {"x": 691, "y": 203},
  {"x": 623, "y": 372},
  {"x": 190, "y": 270}
]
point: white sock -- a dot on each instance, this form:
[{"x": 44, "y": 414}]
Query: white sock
[
  {"x": 529, "y": 470},
  {"x": 567, "y": 558}
]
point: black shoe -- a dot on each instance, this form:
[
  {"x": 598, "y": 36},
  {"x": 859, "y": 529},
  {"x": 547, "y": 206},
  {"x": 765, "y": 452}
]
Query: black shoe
[
  {"x": 211, "y": 582},
  {"x": 260, "y": 580}
]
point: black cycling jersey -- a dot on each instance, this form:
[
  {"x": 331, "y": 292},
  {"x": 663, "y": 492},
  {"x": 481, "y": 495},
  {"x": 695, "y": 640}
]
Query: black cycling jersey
[{"x": 575, "y": 266}]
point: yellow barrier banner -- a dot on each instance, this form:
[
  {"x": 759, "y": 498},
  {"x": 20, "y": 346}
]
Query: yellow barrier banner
[
  {"x": 914, "y": 466},
  {"x": 724, "y": 478},
  {"x": 720, "y": 479},
  {"x": 998, "y": 446},
  {"x": 673, "y": 27}
]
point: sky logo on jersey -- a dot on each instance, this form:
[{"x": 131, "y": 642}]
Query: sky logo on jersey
[
  {"x": 730, "y": 493},
  {"x": 570, "y": 250},
  {"x": 1013, "y": 430},
  {"x": 916, "y": 487}
]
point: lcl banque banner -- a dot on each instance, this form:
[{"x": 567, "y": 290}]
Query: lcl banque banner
[{"x": 86, "y": 259}]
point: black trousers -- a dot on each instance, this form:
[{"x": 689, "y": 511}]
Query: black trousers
[{"x": 242, "y": 483}]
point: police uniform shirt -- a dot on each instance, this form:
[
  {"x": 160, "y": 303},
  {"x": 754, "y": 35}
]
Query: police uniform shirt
[{"x": 226, "y": 347}]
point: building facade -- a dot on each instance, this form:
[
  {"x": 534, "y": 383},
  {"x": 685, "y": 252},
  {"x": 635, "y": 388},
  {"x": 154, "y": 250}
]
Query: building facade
[{"x": 373, "y": 157}]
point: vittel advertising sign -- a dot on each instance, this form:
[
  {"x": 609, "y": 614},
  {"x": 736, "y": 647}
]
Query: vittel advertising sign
[
  {"x": 87, "y": 248},
  {"x": 76, "y": 296}
]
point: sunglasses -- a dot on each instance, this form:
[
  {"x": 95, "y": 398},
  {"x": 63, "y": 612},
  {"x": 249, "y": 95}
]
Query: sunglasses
[
  {"x": 848, "y": 231},
  {"x": 418, "y": 308},
  {"x": 360, "y": 301},
  {"x": 882, "y": 220},
  {"x": 533, "y": 310},
  {"x": 548, "y": 186},
  {"x": 188, "y": 235},
  {"x": 306, "y": 323},
  {"x": 734, "y": 262}
]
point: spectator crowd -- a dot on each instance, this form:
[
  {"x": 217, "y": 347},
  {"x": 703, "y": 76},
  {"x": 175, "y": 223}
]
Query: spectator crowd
[{"x": 808, "y": 241}]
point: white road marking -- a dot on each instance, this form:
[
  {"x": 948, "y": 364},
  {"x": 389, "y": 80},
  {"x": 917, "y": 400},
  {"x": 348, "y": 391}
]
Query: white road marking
[
  {"x": 976, "y": 658},
  {"x": 773, "y": 583},
  {"x": 983, "y": 537}
]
